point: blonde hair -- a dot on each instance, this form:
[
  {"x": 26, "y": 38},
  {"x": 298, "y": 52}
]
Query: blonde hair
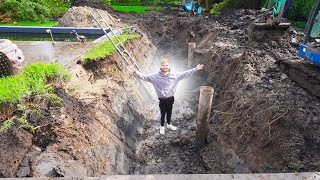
[{"x": 164, "y": 61}]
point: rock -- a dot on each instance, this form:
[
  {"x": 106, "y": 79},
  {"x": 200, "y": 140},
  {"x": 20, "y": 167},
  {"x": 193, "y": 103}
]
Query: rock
[
  {"x": 234, "y": 26},
  {"x": 192, "y": 128},
  {"x": 294, "y": 40},
  {"x": 274, "y": 44},
  {"x": 254, "y": 44},
  {"x": 24, "y": 169},
  {"x": 265, "y": 45},
  {"x": 271, "y": 81},
  {"x": 51, "y": 164},
  {"x": 183, "y": 131},
  {"x": 71, "y": 168},
  {"x": 283, "y": 77},
  {"x": 258, "y": 52}
]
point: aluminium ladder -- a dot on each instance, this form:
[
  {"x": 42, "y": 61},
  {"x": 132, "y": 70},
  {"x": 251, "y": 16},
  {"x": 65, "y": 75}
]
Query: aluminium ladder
[
  {"x": 117, "y": 44},
  {"x": 114, "y": 39}
]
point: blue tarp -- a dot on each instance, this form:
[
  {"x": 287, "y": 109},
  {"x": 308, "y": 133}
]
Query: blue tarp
[{"x": 190, "y": 6}]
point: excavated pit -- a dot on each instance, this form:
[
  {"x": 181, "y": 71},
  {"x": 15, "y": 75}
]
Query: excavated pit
[{"x": 263, "y": 122}]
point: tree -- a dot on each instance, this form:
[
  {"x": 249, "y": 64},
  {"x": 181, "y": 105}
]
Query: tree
[{"x": 31, "y": 10}]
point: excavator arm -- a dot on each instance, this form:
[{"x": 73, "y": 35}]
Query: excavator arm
[{"x": 278, "y": 9}]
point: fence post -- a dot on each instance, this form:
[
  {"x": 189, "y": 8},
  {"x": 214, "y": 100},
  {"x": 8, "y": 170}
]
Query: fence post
[
  {"x": 204, "y": 111},
  {"x": 191, "y": 47}
]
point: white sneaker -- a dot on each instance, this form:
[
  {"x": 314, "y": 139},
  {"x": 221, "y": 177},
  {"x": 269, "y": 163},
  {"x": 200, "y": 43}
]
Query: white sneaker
[
  {"x": 170, "y": 126},
  {"x": 162, "y": 130}
]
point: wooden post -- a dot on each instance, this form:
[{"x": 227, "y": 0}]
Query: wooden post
[
  {"x": 204, "y": 110},
  {"x": 191, "y": 47}
]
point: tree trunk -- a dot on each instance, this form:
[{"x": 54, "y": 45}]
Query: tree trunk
[
  {"x": 252, "y": 4},
  {"x": 208, "y": 5}
]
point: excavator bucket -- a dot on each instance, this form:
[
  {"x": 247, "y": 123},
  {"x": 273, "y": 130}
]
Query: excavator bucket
[
  {"x": 260, "y": 31},
  {"x": 273, "y": 26}
]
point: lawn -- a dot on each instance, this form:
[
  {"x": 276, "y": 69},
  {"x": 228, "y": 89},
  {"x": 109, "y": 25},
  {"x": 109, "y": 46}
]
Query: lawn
[
  {"x": 41, "y": 24},
  {"x": 33, "y": 80},
  {"x": 137, "y": 9},
  {"x": 105, "y": 49}
]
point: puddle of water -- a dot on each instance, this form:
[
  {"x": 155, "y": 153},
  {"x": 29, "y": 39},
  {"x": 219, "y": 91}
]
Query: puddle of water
[{"x": 44, "y": 51}]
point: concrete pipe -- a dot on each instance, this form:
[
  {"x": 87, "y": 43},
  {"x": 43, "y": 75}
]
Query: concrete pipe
[
  {"x": 4, "y": 43},
  {"x": 12, "y": 52},
  {"x": 10, "y": 48},
  {"x": 5, "y": 66}
]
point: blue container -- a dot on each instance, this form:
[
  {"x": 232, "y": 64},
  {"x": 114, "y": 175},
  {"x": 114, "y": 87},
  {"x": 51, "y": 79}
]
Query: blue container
[{"x": 199, "y": 10}]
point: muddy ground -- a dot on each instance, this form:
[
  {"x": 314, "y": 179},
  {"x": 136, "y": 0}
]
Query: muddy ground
[{"x": 262, "y": 121}]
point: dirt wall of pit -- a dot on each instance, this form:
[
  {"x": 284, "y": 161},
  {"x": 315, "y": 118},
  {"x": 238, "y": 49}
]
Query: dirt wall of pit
[
  {"x": 262, "y": 121},
  {"x": 96, "y": 130}
]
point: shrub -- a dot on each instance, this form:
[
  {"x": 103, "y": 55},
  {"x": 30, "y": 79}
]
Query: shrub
[
  {"x": 32, "y": 10},
  {"x": 217, "y": 8},
  {"x": 300, "y": 10}
]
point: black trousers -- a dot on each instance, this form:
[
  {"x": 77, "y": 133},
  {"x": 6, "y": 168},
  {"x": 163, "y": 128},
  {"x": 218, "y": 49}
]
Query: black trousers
[{"x": 165, "y": 105}]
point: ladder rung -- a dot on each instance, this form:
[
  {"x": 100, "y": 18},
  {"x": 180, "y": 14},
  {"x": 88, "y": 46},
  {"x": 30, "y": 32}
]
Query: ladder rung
[
  {"x": 123, "y": 53},
  {"x": 118, "y": 44}
]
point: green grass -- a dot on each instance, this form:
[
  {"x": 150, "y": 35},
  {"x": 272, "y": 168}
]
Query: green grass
[
  {"x": 22, "y": 94},
  {"x": 218, "y": 7},
  {"x": 105, "y": 49},
  {"x": 33, "y": 80},
  {"x": 137, "y": 9},
  {"x": 44, "y": 24}
]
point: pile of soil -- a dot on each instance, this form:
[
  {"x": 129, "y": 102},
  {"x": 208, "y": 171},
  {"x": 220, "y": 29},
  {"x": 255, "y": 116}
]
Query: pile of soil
[
  {"x": 97, "y": 4},
  {"x": 81, "y": 17}
]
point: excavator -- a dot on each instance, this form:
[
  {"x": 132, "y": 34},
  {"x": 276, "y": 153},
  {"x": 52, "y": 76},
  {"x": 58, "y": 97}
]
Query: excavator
[
  {"x": 306, "y": 71},
  {"x": 310, "y": 49}
]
